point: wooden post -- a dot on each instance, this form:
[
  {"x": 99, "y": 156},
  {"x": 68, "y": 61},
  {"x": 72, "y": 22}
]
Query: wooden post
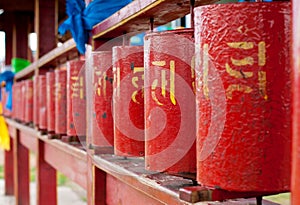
[
  {"x": 20, "y": 32},
  {"x": 46, "y": 21},
  {"x": 99, "y": 192},
  {"x": 21, "y": 172},
  {"x": 46, "y": 179},
  {"x": 9, "y": 170}
]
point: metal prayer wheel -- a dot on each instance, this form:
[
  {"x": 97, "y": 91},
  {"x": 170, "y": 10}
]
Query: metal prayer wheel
[
  {"x": 50, "y": 101},
  {"x": 60, "y": 102},
  {"x": 28, "y": 114},
  {"x": 35, "y": 100},
  {"x": 170, "y": 133},
  {"x": 76, "y": 98},
  {"x": 243, "y": 96},
  {"x": 128, "y": 101},
  {"x": 42, "y": 99},
  {"x": 102, "y": 122}
]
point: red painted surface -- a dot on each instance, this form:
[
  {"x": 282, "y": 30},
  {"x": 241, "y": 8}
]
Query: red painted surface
[
  {"x": 28, "y": 141},
  {"x": 22, "y": 101},
  {"x": 243, "y": 96},
  {"x": 76, "y": 98},
  {"x": 99, "y": 192},
  {"x": 28, "y": 114},
  {"x": 170, "y": 102},
  {"x": 21, "y": 172},
  {"x": 35, "y": 101},
  {"x": 42, "y": 98},
  {"x": 62, "y": 159},
  {"x": 46, "y": 179},
  {"x": 50, "y": 82},
  {"x": 17, "y": 101},
  {"x": 9, "y": 170},
  {"x": 102, "y": 123},
  {"x": 295, "y": 180},
  {"x": 6, "y": 112},
  {"x": 128, "y": 100},
  {"x": 119, "y": 192},
  {"x": 61, "y": 102}
]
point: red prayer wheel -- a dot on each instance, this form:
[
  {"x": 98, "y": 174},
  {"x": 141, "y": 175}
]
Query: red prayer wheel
[
  {"x": 28, "y": 115},
  {"x": 14, "y": 100},
  {"x": 22, "y": 101},
  {"x": 102, "y": 122},
  {"x": 295, "y": 181},
  {"x": 60, "y": 102},
  {"x": 18, "y": 101},
  {"x": 6, "y": 112},
  {"x": 36, "y": 110},
  {"x": 76, "y": 98},
  {"x": 170, "y": 102},
  {"x": 243, "y": 96},
  {"x": 42, "y": 99},
  {"x": 50, "y": 82},
  {"x": 128, "y": 100}
]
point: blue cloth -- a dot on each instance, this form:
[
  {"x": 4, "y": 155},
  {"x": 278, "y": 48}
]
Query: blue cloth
[
  {"x": 81, "y": 19},
  {"x": 8, "y": 77}
]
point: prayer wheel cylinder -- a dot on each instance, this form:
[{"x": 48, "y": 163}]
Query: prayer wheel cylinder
[
  {"x": 42, "y": 103},
  {"x": 295, "y": 181},
  {"x": 22, "y": 104},
  {"x": 76, "y": 99},
  {"x": 14, "y": 90},
  {"x": 61, "y": 102},
  {"x": 6, "y": 112},
  {"x": 35, "y": 101},
  {"x": 15, "y": 100},
  {"x": 28, "y": 115},
  {"x": 50, "y": 82},
  {"x": 170, "y": 102},
  {"x": 128, "y": 101},
  {"x": 102, "y": 123},
  {"x": 243, "y": 96}
]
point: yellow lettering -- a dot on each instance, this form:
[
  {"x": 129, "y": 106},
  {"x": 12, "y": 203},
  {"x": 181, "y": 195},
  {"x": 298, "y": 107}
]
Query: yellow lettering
[
  {"x": 262, "y": 53},
  {"x": 237, "y": 87},
  {"x": 237, "y": 74},
  {"x": 242, "y": 45},
  {"x": 262, "y": 83}
]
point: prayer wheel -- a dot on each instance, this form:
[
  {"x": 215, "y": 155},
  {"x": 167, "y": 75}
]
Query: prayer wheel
[
  {"x": 50, "y": 95},
  {"x": 35, "y": 101},
  {"x": 60, "y": 102},
  {"x": 102, "y": 122},
  {"x": 170, "y": 102},
  {"x": 28, "y": 115},
  {"x": 76, "y": 99},
  {"x": 42, "y": 99},
  {"x": 128, "y": 100},
  {"x": 243, "y": 96},
  {"x": 295, "y": 180}
]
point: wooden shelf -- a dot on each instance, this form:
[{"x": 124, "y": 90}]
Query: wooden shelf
[
  {"x": 51, "y": 59},
  {"x": 136, "y": 16}
]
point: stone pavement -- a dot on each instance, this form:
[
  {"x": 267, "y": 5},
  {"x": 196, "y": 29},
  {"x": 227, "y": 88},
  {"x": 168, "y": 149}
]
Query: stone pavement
[{"x": 65, "y": 195}]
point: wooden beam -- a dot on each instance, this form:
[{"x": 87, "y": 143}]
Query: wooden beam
[
  {"x": 9, "y": 170},
  {"x": 46, "y": 179},
  {"x": 46, "y": 20},
  {"x": 21, "y": 172},
  {"x": 21, "y": 30}
]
